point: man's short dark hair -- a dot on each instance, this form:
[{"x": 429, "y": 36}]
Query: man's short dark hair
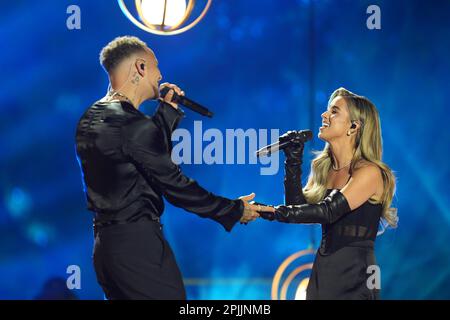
[{"x": 118, "y": 50}]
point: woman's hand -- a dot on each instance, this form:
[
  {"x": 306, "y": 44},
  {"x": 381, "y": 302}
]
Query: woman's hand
[
  {"x": 294, "y": 152},
  {"x": 252, "y": 211}
]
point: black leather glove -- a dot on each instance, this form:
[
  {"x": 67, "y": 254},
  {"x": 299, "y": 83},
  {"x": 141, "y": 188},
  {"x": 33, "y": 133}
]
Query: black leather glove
[
  {"x": 293, "y": 194},
  {"x": 294, "y": 152},
  {"x": 327, "y": 211}
]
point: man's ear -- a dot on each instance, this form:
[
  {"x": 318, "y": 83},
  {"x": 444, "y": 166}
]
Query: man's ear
[{"x": 140, "y": 67}]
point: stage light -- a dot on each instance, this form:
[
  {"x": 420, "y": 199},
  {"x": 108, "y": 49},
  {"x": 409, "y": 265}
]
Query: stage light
[
  {"x": 301, "y": 290},
  {"x": 298, "y": 272},
  {"x": 39, "y": 233},
  {"x": 164, "y": 17},
  {"x": 18, "y": 202},
  {"x": 163, "y": 12}
]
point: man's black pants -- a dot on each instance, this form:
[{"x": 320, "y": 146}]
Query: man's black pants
[{"x": 134, "y": 261}]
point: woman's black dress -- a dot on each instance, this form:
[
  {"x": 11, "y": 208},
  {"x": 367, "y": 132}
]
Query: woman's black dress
[{"x": 346, "y": 251}]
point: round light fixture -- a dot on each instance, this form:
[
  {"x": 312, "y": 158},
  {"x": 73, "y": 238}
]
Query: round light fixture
[{"x": 164, "y": 17}]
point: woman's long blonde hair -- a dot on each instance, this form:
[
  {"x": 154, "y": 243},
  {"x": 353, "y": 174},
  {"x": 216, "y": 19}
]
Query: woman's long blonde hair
[{"x": 368, "y": 146}]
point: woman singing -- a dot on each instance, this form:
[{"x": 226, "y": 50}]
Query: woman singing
[{"x": 348, "y": 191}]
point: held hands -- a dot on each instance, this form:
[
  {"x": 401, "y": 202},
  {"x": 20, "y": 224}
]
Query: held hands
[
  {"x": 253, "y": 211},
  {"x": 168, "y": 97},
  {"x": 266, "y": 215}
]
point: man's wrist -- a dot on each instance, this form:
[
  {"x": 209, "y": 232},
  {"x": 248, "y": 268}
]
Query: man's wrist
[{"x": 171, "y": 109}]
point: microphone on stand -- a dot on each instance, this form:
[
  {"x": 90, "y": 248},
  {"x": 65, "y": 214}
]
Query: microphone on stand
[{"x": 300, "y": 136}]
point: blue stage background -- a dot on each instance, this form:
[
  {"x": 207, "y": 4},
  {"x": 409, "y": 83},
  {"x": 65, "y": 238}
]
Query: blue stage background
[{"x": 258, "y": 64}]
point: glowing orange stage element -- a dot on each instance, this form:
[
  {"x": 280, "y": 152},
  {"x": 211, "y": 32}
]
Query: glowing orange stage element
[{"x": 301, "y": 288}]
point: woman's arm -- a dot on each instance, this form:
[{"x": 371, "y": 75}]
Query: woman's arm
[
  {"x": 363, "y": 184},
  {"x": 360, "y": 188},
  {"x": 293, "y": 193}
]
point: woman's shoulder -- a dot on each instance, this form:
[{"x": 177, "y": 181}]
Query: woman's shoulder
[
  {"x": 372, "y": 172},
  {"x": 363, "y": 163},
  {"x": 367, "y": 168}
]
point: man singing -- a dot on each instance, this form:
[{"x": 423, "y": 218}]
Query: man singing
[{"x": 127, "y": 170}]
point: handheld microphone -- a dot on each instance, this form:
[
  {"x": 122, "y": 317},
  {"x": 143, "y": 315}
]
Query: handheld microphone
[
  {"x": 300, "y": 136},
  {"x": 188, "y": 103}
]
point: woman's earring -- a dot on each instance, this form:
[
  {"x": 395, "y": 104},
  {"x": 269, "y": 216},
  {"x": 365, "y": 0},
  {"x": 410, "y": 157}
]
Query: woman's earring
[{"x": 348, "y": 132}]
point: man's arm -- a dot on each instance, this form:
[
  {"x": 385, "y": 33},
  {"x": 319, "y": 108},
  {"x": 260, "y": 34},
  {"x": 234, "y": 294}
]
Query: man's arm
[
  {"x": 143, "y": 144},
  {"x": 168, "y": 115}
]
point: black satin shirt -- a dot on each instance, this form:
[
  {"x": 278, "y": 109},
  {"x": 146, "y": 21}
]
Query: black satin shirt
[{"x": 125, "y": 158}]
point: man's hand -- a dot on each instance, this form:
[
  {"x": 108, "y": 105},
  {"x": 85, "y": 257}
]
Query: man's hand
[
  {"x": 251, "y": 210},
  {"x": 169, "y": 95}
]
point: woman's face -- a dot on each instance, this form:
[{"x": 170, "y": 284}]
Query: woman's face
[{"x": 335, "y": 121}]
